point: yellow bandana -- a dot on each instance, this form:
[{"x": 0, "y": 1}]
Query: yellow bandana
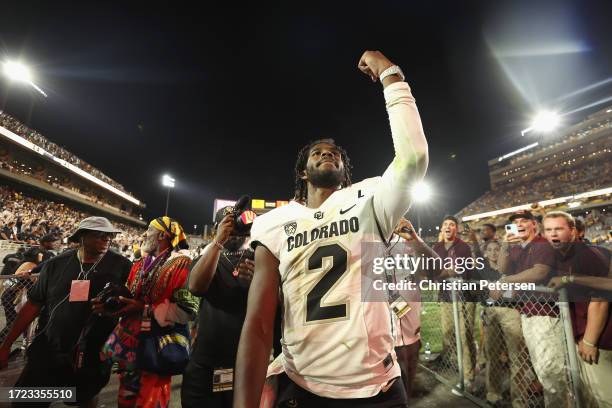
[{"x": 172, "y": 229}]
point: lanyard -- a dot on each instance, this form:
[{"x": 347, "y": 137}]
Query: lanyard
[{"x": 84, "y": 275}]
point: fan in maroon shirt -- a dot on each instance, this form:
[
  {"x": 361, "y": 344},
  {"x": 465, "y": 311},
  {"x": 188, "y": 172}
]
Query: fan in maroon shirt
[
  {"x": 530, "y": 259},
  {"x": 591, "y": 318}
]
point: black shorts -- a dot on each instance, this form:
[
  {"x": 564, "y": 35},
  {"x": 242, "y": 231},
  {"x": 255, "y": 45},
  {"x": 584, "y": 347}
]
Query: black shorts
[{"x": 291, "y": 395}]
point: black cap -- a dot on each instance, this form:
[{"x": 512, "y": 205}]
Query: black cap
[
  {"x": 222, "y": 213},
  {"x": 521, "y": 214}
]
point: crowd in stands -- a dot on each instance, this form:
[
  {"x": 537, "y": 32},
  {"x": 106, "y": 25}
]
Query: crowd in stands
[
  {"x": 575, "y": 136},
  {"x": 33, "y": 136},
  {"x": 598, "y": 226},
  {"x": 32, "y": 218},
  {"x": 62, "y": 183},
  {"x": 543, "y": 186},
  {"x": 570, "y": 174}
]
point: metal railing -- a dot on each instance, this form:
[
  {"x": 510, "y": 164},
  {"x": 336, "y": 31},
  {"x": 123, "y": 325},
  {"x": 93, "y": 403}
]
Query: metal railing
[
  {"x": 8, "y": 245},
  {"x": 13, "y": 294},
  {"x": 519, "y": 352}
]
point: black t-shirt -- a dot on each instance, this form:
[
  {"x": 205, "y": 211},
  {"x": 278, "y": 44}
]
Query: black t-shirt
[
  {"x": 222, "y": 312},
  {"x": 68, "y": 319}
]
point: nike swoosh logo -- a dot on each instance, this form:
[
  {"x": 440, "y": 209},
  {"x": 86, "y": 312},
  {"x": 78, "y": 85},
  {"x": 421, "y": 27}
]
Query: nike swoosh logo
[
  {"x": 359, "y": 195},
  {"x": 342, "y": 212}
]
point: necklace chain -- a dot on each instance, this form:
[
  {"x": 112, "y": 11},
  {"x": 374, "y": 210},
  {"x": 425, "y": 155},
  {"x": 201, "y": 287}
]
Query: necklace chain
[
  {"x": 234, "y": 267},
  {"x": 83, "y": 273}
]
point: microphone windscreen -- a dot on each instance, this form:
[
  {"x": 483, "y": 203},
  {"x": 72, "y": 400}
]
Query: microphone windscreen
[{"x": 242, "y": 203}]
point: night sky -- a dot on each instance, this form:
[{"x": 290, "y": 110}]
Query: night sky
[{"x": 223, "y": 99}]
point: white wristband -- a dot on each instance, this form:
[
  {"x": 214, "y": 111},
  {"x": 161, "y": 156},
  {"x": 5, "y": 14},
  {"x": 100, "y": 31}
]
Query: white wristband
[{"x": 392, "y": 70}]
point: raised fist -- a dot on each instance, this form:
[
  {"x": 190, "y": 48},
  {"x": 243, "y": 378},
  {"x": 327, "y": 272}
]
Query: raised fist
[{"x": 373, "y": 63}]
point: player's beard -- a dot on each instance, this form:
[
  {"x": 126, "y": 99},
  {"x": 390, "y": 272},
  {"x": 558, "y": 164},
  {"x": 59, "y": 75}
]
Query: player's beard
[{"x": 325, "y": 178}]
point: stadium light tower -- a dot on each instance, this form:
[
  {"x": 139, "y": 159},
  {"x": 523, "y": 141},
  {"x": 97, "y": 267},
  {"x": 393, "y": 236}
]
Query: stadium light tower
[
  {"x": 545, "y": 121},
  {"x": 168, "y": 182},
  {"x": 421, "y": 193},
  {"x": 18, "y": 72}
]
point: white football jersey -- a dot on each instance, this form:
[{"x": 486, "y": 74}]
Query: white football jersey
[{"x": 334, "y": 344}]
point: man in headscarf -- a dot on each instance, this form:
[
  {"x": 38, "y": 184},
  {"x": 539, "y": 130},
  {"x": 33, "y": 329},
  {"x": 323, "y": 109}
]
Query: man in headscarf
[{"x": 157, "y": 284}]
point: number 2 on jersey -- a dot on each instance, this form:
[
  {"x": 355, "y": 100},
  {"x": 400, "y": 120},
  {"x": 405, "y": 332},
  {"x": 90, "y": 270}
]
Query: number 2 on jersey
[{"x": 315, "y": 311}]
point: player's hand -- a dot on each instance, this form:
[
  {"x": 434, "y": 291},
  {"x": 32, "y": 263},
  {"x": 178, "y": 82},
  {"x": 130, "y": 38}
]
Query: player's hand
[
  {"x": 405, "y": 229},
  {"x": 224, "y": 229},
  {"x": 556, "y": 283},
  {"x": 4, "y": 356},
  {"x": 246, "y": 269},
  {"x": 373, "y": 63},
  {"x": 589, "y": 354}
]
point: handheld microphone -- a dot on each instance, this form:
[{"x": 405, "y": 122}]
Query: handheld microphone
[
  {"x": 242, "y": 204},
  {"x": 243, "y": 218}
]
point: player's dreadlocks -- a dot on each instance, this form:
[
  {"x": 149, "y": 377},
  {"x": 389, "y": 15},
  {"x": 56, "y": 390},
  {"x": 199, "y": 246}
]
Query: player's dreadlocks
[{"x": 301, "y": 186}]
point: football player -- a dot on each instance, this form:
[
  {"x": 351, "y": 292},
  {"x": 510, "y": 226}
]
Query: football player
[{"x": 336, "y": 347}]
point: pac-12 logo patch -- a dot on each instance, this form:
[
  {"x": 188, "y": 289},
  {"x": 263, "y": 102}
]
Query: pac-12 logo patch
[
  {"x": 290, "y": 228},
  {"x": 318, "y": 215}
]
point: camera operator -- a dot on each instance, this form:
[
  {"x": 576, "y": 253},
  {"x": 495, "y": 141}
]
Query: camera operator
[
  {"x": 221, "y": 276},
  {"x": 66, "y": 349}
]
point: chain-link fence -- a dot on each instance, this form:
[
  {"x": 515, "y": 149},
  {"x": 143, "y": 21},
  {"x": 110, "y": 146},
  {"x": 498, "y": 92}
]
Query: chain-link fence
[
  {"x": 517, "y": 351},
  {"x": 7, "y": 247},
  {"x": 13, "y": 294}
]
